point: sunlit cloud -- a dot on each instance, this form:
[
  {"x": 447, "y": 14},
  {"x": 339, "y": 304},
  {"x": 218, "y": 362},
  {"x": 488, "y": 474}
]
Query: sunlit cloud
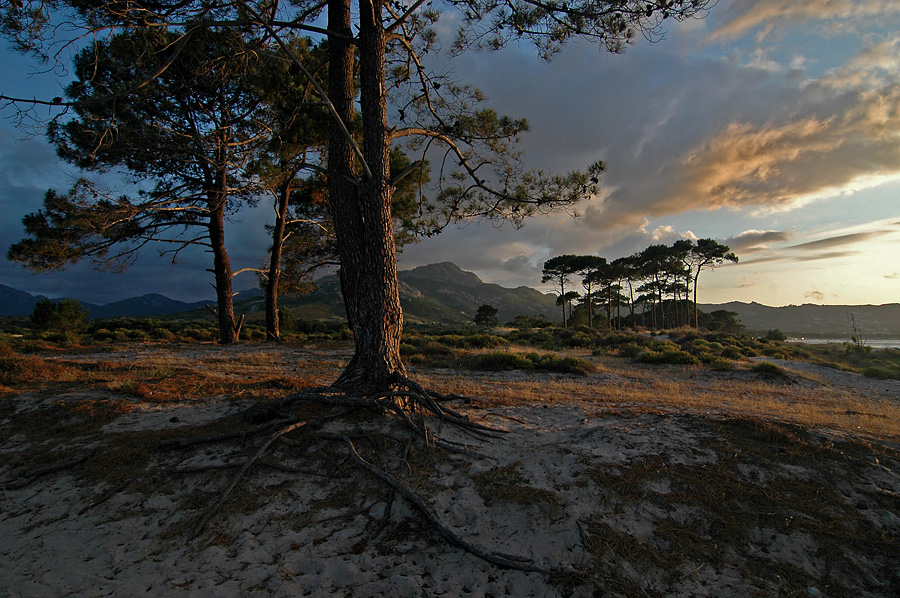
[
  {"x": 768, "y": 17},
  {"x": 662, "y": 232},
  {"x": 827, "y": 255},
  {"x": 815, "y": 295},
  {"x": 874, "y": 67},
  {"x": 839, "y": 241},
  {"x": 751, "y": 241}
]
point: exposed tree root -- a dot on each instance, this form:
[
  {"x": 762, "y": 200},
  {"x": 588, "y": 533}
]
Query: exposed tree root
[
  {"x": 501, "y": 560},
  {"x": 418, "y": 409}
]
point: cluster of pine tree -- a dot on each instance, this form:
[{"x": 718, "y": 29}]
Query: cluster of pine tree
[{"x": 655, "y": 285}]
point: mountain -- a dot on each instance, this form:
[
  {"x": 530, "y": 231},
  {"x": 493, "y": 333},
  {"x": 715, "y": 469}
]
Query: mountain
[
  {"x": 445, "y": 294},
  {"x": 14, "y": 302},
  {"x": 152, "y": 304},
  {"x": 19, "y": 303},
  {"x": 462, "y": 293},
  {"x": 817, "y": 321},
  {"x": 438, "y": 294}
]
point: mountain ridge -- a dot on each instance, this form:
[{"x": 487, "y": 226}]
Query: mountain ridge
[{"x": 443, "y": 293}]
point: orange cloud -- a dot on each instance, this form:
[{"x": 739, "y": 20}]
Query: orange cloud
[{"x": 771, "y": 16}]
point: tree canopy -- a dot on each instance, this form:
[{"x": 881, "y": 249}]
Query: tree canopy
[
  {"x": 480, "y": 174},
  {"x": 663, "y": 275}
]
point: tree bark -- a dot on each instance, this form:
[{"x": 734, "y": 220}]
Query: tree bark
[
  {"x": 362, "y": 209},
  {"x": 228, "y": 331},
  {"x": 273, "y": 328}
]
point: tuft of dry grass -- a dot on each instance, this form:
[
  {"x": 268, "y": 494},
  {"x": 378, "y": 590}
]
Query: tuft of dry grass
[{"x": 506, "y": 484}]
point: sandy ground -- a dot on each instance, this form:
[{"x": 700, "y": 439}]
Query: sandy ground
[{"x": 628, "y": 503}]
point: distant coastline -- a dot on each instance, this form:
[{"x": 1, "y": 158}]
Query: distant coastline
[{"x": 877, "y": 343}]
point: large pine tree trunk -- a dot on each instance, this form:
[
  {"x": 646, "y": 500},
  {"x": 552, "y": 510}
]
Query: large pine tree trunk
[
  {"x": 228, "y": 331},
  {"x": 273, "y": 329},
  {"x": 361, "y": 207}
]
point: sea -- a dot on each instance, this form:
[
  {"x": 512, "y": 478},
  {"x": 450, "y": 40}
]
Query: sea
[{"x": 879, "y": 343}]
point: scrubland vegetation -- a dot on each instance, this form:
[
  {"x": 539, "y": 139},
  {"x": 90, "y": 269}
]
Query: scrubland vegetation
[{"x": 533, "y": 346}]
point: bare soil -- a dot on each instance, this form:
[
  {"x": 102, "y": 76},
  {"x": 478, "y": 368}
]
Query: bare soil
[{"x": 632, "y": 481}]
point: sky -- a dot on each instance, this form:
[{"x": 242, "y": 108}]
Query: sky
[{"x": 772, "y": 126}]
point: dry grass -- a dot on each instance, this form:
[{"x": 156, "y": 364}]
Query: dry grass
[
  {"x": 619, "y": 384},
  {"x": 786, "y": 457}
]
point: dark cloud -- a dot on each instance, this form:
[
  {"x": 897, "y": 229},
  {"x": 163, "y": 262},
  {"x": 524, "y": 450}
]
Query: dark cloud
[
  {"x": 521, "y": 264},
  {"x": 815, "y": 295},
  {"x": 751, "y": 241},
  {"x": 893, "y": 276}
]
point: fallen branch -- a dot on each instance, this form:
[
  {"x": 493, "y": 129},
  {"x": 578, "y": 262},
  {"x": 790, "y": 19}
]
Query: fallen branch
[
  {"x": 271, "y": 464},
  {"x": 186, "y": 442},
  {"x": 35, "y": 473},
  {"x": 211, "y": 511},
  {"x": 104, "y": 497}
]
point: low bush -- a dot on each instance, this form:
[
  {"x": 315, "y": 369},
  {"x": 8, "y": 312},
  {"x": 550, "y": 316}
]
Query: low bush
[
  {"x": 669, "y": 356},
  {"x": 881, "y": 373},
  {"x": 497, "y": 361},
  {"x": 767, "y": 367},
  {"x": 720, "y": 364}
]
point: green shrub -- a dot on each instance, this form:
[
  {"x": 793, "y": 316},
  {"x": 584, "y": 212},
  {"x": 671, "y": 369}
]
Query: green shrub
[
  {"x": 721, "y": 364},
  {"x": 497, "y": 361},
  {"x": 881, "y": 373},
  {"x": 731, "y": 353},
  {"x": 676, "y": 357},
  {"x": 102, "y": 334},
  {"x": 579, "y": 339},
  {"x": 767, "y": 367},
  {"x": 137, "y": 335},
  {"x": 162, "y": 334},
  {"x": 630, "y": 349},
  {"x": 775, "y": 335},
  {"x": 562, "y": 365}
]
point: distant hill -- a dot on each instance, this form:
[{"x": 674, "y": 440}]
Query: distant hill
[
  {"x": 445, "y": 294},
  {"x": 439, "y": 293},
  {"x": 817, "y": 321},
  {"x": 14, "y": 302},
  {"x": 19, "y": 303}
]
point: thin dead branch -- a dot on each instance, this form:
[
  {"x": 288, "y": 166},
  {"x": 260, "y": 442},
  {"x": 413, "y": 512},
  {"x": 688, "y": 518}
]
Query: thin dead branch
[
  {"x": 240, "y": 474},
  {"x": 37, "y": 472}
]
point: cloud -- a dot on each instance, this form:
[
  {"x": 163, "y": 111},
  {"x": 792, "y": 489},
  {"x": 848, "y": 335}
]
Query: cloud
[
  {"x": 839, "y": 241},
  {"x": 828, "y": 255},
  {"x": 815, "y": 295},
  {"x": 751, "y": 241},
  {"x": 768, "y": 17},
  {"x": 876, "y": 66},
  {"x": 893, "y": 276},
  {"x": 662, "y": 232}
]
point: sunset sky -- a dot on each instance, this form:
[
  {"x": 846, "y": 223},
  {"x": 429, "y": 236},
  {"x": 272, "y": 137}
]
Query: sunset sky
[{"x": 772, "y": 126}]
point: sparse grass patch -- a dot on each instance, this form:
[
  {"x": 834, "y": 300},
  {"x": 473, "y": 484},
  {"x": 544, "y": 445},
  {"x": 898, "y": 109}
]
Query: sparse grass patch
[
  {"x": 506, "y": 484},
  {"x": 747, "y": 502},
  {"x": 22, "y": 369},
  {"x": 767, "y": 367}
]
